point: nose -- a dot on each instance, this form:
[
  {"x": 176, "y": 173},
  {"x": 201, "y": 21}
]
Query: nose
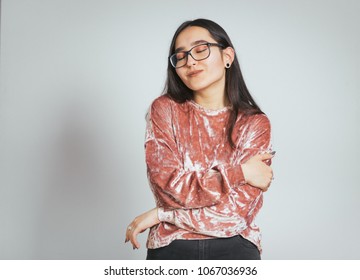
[{"x": 190, "y": 60}]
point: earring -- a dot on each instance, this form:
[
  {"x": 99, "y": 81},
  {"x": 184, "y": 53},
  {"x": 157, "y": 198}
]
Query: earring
[{"x": 227, "y": 65}]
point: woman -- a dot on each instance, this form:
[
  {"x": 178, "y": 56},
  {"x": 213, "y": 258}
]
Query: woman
[{"x": 207, "y": 153}]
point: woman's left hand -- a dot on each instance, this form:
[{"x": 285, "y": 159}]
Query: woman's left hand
[{"x": 139, "y": 225}]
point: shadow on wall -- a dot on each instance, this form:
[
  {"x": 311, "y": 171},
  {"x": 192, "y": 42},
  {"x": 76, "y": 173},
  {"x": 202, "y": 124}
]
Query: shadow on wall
[{"x": 81, "y": 187}]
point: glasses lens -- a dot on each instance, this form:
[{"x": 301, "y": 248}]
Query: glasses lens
[
  {"x": 178, "y": 59},
  {"x": 200, "y": 52}
]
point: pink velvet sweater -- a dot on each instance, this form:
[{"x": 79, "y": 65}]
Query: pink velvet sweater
[{"x": 196, "y": 176}]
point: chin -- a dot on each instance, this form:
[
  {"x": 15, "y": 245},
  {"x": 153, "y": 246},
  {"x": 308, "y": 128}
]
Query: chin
[{"x": 197, "y": 87}]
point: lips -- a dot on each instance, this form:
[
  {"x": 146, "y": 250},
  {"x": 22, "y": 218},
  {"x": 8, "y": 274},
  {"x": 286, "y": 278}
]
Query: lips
[{"x": 193, "y": 73}]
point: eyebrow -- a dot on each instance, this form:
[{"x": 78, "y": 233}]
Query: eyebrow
[{"x": 192, "y": 44}]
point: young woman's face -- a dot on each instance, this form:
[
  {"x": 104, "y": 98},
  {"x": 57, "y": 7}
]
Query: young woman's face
[{"x": 206, "y": 74}]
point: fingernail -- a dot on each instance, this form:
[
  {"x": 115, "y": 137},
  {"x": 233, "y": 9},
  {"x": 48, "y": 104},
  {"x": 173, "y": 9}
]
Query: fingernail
[{"x": 273, "y": 152}]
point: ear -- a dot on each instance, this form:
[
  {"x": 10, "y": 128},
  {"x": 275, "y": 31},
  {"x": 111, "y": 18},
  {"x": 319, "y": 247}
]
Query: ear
[{"x": 228, "y": 55}]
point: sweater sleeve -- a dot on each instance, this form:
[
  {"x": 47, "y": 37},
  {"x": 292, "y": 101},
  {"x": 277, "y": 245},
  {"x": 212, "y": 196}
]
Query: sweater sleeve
[
  {"x": 232, "y": 218},
  {"x": 174, "y": 186}
]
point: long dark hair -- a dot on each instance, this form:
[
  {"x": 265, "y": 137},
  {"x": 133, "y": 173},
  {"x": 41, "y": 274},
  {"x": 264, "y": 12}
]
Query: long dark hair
[{"x": 235, "y": 87}]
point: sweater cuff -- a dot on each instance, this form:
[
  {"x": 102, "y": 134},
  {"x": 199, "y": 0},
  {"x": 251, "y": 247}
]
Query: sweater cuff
[
  {"x": 166, "y": 215},
  {"x": 235, "y": 175}
]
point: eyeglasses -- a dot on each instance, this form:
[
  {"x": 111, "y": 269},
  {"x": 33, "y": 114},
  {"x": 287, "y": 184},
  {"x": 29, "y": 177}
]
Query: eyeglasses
[{"x": 198, "y": 52}]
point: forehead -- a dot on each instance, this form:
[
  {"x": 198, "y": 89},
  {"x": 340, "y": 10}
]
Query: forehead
[{"x": 190, "y": 35}]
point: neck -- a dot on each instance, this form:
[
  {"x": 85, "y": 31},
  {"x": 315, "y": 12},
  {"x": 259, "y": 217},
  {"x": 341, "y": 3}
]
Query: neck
[
  {"x": 211, "y": 100},
  {"x": 213, "y": 96}
]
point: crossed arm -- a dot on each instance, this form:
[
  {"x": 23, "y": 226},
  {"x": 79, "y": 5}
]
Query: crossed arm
[
  {"x": 256, "y": 168},
  {"x": 180, "y": 191}
]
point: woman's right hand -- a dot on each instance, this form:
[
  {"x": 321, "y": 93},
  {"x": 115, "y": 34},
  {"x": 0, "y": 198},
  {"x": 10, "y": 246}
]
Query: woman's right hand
[
  {"x": 139, "y": 225},
  {"x": 257, "y": 173}
]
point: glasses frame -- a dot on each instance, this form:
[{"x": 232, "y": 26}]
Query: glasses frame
[{"x": 187, "y": 53}]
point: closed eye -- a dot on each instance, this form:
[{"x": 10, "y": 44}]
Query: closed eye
[
  {"x": 201, "y": 49},
  {"x": 180, "y": 56}
]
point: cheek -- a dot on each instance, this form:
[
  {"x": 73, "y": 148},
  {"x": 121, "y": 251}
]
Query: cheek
[
  {"x": 181, "y": 73},
  {"x": 216, "y": 62},
  {"x": 215, "y": 69},
  {"x": 218, "y": 71}
]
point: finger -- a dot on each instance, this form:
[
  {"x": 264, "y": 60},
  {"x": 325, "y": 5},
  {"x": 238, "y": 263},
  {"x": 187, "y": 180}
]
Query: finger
[
  {"x": 133, "y": 239},
  {"x": 266, "y": 156},
  {"x": 135, "y": 230},
  {"x": 265, "y": 188},
  {"x": 269, "y": 184},
  {"x": 128, "y": 232},
  {"x": 126, "y": 236}
]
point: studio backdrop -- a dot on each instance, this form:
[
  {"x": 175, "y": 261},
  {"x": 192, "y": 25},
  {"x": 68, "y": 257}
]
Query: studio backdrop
[{"x": 77, "y": 77}]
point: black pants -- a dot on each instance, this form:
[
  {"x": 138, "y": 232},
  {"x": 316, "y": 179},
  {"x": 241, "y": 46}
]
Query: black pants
[{"x": 233, "y": 248}]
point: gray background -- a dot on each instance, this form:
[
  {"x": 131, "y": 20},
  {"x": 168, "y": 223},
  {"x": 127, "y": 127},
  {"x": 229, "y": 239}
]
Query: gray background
[{"x": 77, "y": 77}]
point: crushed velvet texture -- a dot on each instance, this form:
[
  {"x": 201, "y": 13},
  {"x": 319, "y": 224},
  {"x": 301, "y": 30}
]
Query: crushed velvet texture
[{"x": 196, "y": 176}]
